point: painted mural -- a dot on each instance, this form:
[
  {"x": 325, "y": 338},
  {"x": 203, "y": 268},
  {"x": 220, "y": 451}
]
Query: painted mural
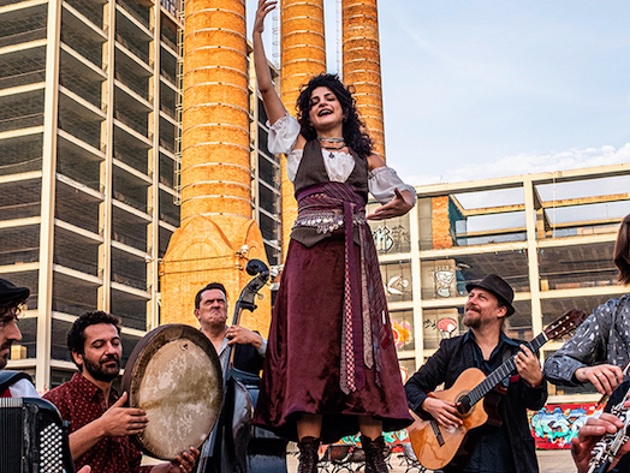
[
  {"x": 552, "y": 427},
  {"x": 555, "y": 425},
  {"x": 402, "y": 331}
]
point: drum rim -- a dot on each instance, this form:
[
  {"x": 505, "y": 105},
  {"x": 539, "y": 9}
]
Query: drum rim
[{"x": 192, "y": 334}]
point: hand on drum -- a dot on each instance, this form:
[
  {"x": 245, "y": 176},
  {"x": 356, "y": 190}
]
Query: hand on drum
[
  {"x": 184, "y": 463},
  {"x": 119, "y": 420}
]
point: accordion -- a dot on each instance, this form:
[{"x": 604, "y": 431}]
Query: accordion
[{"x": 34, "y": 439}]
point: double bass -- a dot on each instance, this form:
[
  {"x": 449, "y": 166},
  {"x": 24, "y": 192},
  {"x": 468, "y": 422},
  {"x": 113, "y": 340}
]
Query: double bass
[{"x": 234, "y": 446}]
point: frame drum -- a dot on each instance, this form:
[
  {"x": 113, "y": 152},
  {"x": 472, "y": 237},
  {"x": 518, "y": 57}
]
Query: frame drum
[{"x": 175, "y": 376}]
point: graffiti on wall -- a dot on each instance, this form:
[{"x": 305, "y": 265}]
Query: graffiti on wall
[
  {"x": 444, "y": 282},
  {"x": 403, "y": 332},
  {"x": 395, "y": 239},
  {"x": 397, "y": 286},
  {"x": 552, "y": 427},
  {"x": 555, "y": 425},
  {"x": 446, "y": 327}
]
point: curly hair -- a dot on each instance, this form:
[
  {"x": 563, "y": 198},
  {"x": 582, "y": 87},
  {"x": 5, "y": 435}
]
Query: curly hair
[
  {"x": 76, "y": 335},
  {"x": 621, "y": 254},
  {"x": 209, "y": 286},
  {"x": 353, "y": 128}
]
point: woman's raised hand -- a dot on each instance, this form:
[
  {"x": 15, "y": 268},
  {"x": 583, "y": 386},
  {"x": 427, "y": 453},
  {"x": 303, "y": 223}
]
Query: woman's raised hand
[
  {"x": 264, "y": 7},
  {"x": 273, "y": 105}
]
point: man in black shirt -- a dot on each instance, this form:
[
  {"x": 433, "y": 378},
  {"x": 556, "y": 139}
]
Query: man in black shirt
[{"x": 505, "y": 448}]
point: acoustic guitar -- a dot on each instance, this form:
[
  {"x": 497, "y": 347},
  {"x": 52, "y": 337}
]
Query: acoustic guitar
[{"x": 434, "y": 445}]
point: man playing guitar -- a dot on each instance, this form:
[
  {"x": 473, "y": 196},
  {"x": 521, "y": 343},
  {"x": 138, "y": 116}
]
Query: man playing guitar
[{"x": 504, "y": 444}]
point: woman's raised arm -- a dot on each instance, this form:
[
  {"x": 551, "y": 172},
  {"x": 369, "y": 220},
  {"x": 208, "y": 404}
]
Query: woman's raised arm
[{"x": 273, "y": 105}]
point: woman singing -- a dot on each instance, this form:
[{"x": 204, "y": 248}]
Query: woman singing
[{"x": 331, "y": 367}]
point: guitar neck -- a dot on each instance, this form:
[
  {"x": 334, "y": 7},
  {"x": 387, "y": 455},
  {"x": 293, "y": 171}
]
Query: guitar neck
[{"x": 506, "y": 369}]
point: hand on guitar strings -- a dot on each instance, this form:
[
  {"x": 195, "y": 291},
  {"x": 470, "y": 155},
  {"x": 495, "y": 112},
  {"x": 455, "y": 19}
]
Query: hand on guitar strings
[
  {"x": 444, "y": 412},
  {"x": 605, "y": 378},
  {"x": 528, "y": 367}
]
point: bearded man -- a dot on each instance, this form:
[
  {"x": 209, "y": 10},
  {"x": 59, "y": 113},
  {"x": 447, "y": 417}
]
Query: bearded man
[
  {"x": 100, "y": 424},
  {"x": 505, "y": 445}
]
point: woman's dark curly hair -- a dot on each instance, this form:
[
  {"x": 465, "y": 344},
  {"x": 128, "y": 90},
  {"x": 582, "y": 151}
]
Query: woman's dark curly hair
[{"x": 353, "y": 128}]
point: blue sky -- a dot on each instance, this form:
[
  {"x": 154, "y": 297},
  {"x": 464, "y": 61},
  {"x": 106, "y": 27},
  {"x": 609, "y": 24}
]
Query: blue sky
[{"x": 485, "y": 88}]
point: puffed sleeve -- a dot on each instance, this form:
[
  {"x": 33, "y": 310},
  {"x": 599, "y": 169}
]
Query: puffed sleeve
[
  {"x": 283, "y": 134},
  {"x": 383, "y": 180}
]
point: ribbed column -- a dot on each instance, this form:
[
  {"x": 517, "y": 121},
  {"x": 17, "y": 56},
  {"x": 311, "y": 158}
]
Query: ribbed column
[
  {"x": 215, "y": 172},
  {"x": 362, "y": 64},
  {"x": 303, "y": 55},
  {"x": 216, "y": 235}
]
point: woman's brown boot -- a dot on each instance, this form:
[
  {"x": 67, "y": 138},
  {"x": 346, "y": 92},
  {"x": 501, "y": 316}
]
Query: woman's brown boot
[
  {"x": 309, "y": 455},
  {"x": 374, "y": 454}
]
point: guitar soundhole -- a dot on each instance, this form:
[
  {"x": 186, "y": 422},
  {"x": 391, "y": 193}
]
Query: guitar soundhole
[{"x": 463, "y": 405}]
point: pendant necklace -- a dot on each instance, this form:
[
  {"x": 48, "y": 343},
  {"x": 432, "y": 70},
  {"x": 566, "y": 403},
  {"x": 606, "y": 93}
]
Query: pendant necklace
[{"x": 330, "y": 149}]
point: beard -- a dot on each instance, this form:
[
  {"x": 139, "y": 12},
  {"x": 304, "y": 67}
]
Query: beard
[
  {"x": 4, "y": 359},
  {"x": 101, "y": 373},
  {"x": 473, "y": 320}
]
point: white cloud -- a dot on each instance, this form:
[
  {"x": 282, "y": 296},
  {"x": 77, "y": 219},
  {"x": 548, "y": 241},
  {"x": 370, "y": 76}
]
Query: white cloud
[{"x": 530, "y": 163}]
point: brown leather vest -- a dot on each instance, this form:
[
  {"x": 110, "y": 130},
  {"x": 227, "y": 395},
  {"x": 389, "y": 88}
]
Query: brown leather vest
[{"x": 313, "y": 171}]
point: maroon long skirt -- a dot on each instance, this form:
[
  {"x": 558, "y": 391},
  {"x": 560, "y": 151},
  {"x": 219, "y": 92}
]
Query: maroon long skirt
[{"x": 301, "y": 370}]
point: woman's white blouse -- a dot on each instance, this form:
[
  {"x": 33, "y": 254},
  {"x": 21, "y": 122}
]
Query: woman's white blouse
[{"x": 382, "y": 181}]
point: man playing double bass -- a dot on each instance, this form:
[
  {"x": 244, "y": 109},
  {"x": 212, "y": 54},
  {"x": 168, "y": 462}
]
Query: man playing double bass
[
  {"x": 211, "y": 309},
  {"x": 505, "y": 448}
]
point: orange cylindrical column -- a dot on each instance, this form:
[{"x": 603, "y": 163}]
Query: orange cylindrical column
[
  {"x": 362, "y": 64},
  {"x": 303, "y": 55},
  {"x": 216, "y": 235},
  {"x": 215, "y": 170}
]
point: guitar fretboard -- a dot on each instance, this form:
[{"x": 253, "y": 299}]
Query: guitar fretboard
[{"x": 494, "y": 378}]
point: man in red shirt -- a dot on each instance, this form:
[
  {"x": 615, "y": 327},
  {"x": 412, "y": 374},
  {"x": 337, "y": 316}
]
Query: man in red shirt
[{"x": 100, "y": 425}]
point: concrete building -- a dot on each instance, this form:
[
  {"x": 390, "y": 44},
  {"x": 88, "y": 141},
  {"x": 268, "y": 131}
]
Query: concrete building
[
  {"x": 89, "y": 127},
  {"x": 550, "y": 235},
  {"x": 89, "y": 191}
]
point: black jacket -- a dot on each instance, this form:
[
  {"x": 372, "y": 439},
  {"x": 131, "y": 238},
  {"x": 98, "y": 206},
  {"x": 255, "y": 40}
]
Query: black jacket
[{"x": 458, "y": 354}]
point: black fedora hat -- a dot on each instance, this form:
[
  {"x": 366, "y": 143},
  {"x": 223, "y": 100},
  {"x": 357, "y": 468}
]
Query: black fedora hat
[
  {"x": 499, "y": 287},
  {"x": 10, "y": 293}
]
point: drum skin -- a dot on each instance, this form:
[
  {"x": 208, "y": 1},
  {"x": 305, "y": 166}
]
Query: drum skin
[{"x": 175, "y": 376}]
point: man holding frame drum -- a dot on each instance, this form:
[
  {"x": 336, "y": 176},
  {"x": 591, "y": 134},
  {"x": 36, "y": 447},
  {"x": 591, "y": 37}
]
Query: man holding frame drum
[{"x": 100, "y": 424}]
